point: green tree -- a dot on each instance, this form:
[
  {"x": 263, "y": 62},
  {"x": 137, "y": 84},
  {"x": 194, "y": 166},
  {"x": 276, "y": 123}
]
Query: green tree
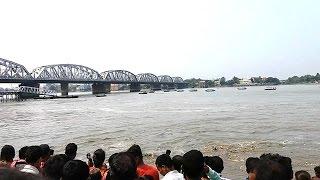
[{"x": 223, "y": 81}]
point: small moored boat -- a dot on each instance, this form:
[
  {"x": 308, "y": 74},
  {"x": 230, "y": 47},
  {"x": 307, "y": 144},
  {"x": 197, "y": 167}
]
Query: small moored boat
[
  {"x": 151, "y": 91},
  {"x": 193, "y": 90},
  {"x": 180, "y": 90},
  {"x": 242, "y": 88},
  {"x": 210, "y": 90},
  {"x": 143, "y": 92},
  {"x": 270, "y": 88}
]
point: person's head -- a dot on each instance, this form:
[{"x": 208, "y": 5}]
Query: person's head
[
  {"x": 136, "y": 152},
  {"x": 268, "y": 169},
  {"x": 193, "y": 164},
  {"x": 215, "y": 163},
  {"x": 7, "y": 153},
  {"x": 75, "y": 169},
  {"x": 33, "y": 156},
  {"x": 302, "y": 175},
  {"x": 317, "y": 171},
  {"x": 10, "y": 174},
  {"x": 177, "y": 162},
  {"x": 54, "y": 166},
  {"x": 22, "y": 152},
  {"x": 111, "y": 158},
  {"x": 251, "y": 163},
  {"x": 98, "y": 158},
  {"x": 284, "y": 161},
  {"x": 46, "y": 152},
  {"x": 164, "y": 164},
  {"x": 123, "y": 166},
  {"x": 71, "y": 150}
]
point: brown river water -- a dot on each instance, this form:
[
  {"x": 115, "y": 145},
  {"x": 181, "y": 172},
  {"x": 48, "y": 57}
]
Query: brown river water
[{"x": 231, "y": 123}]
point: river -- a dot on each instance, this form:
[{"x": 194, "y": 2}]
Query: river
[{"x": 234, "y": 124}]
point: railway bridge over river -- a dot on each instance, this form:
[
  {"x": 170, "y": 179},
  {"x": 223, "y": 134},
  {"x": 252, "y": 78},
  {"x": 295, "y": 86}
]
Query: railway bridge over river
[{"x": 65, "y": 74}]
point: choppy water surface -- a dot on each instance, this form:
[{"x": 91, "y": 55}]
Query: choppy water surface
[{"x": 231, "y": 123}]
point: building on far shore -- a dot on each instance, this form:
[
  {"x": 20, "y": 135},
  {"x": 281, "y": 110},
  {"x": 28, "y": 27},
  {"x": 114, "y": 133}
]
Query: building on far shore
[{"x": 245, "y": 82}]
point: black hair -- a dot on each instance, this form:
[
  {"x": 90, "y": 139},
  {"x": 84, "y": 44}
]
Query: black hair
[
  {"x": 168, "y": 152},
  {"x": 302, "y": 175},
  {"x": 193, "y": 164},
  {"x": 22, "y": 152},
  {"x": 177, "y": 162},
  {"x": 251, "y": 163},
  {"x": 33, "y": 154},
  {"x": 7, "y": 153},
  {"x": 45, "y": 150},
  {"x": 268, "y": 169},
  {"x": 71, "y": 150},
  {"x": 164, "y": 160},
  {"x": 10, "y": 174},
  {"x": 54, "y": 166},
  {"x": 215, "y": 163},
  {"x": 284, "y": 161},
  {"x": 136, "y": 152},
  {"x": 317, "y": 169},
  {"x": 123, "y": 166},
  {"x": 111, "y": 157},
  {"x": 75, "y": 169},
  {"x": 98, "y": 157}
]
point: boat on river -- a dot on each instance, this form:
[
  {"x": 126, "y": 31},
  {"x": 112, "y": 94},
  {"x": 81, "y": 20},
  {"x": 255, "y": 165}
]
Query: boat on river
[
  {"x": 143, "y": 92},
  {"x": 242, "y": 88},
  {"x": 210, "y": 90},
  {"x": 180, "y": 90},
  {"x": 193, "y": 90},
  {"x": 270, "y": 88}
]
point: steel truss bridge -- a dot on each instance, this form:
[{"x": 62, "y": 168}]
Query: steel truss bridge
[{"x": 11, "y": 72}]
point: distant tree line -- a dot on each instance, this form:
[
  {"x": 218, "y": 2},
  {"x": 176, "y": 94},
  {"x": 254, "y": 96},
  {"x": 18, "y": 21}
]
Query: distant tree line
[
  {"x": 235, "y": 81},
  {"x": 303, "y": 79}
]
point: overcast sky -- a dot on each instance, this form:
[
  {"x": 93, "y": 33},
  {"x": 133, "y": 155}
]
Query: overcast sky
[{"x": 206, "y": 39}]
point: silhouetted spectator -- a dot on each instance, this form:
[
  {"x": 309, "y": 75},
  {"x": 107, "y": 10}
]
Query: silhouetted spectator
[
  {"x": 123, "y": 167},
  {"x": 193, "y": 166},
  {"x": 21, "y": 162},
  {"x": 54, "y": 166},
  {"x": 302, "y": 175},
  {"x": 13, "y": 174},
  {"x": 251, "y": 163},
  {"x": 71, "y": 151},
  {"x": 317, "y": 173},
  {"x": 284, "y": 161},
  {"x": 75, "y": 170},
  {"x": 33, "y": 157},
  {"x": 142, "y": 168},
  {"x": 7, "y": 155},
  {"x": 164, "y": 165},
  {"x": 177, "y": 162}
]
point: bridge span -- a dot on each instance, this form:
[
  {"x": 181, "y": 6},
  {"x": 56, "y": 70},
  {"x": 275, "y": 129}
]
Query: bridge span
[{"x": 11, "y": 72}]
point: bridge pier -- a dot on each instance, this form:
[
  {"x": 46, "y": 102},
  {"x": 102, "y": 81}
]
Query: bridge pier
[
  {"x": 156, "y": 87},
  {"x": 64, "y": 89},
  {"x": 171, "y": 86},
  {"x": 101, "y": 88},
  {"x": 135, "y": 87}
]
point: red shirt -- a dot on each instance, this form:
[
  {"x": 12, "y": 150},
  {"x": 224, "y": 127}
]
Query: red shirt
[{"x": 145, "y": 169}]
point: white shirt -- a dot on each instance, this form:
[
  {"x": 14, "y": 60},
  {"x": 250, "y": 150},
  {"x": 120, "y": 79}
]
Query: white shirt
[
  {"x": 30, "y": 169},
  {"x": 173, "y": 175}
]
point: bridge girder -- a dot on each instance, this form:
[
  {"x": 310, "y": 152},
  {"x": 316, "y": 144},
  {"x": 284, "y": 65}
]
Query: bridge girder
[
  {"x": 119, "y": 76},
  {"x": 147, "y": 78},
  {"x": 66, "y": 72},
  {"x": 177, "y": 79},
  {"x": 165, "y": 79},
  {"x": 12, "y": 70}
]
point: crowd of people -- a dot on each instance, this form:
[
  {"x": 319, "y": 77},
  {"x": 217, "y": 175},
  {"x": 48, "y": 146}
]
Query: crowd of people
[{"x": 39, "y": 162}]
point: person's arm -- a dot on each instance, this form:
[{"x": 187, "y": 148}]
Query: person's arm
[{"x": 211, "y": 173}]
